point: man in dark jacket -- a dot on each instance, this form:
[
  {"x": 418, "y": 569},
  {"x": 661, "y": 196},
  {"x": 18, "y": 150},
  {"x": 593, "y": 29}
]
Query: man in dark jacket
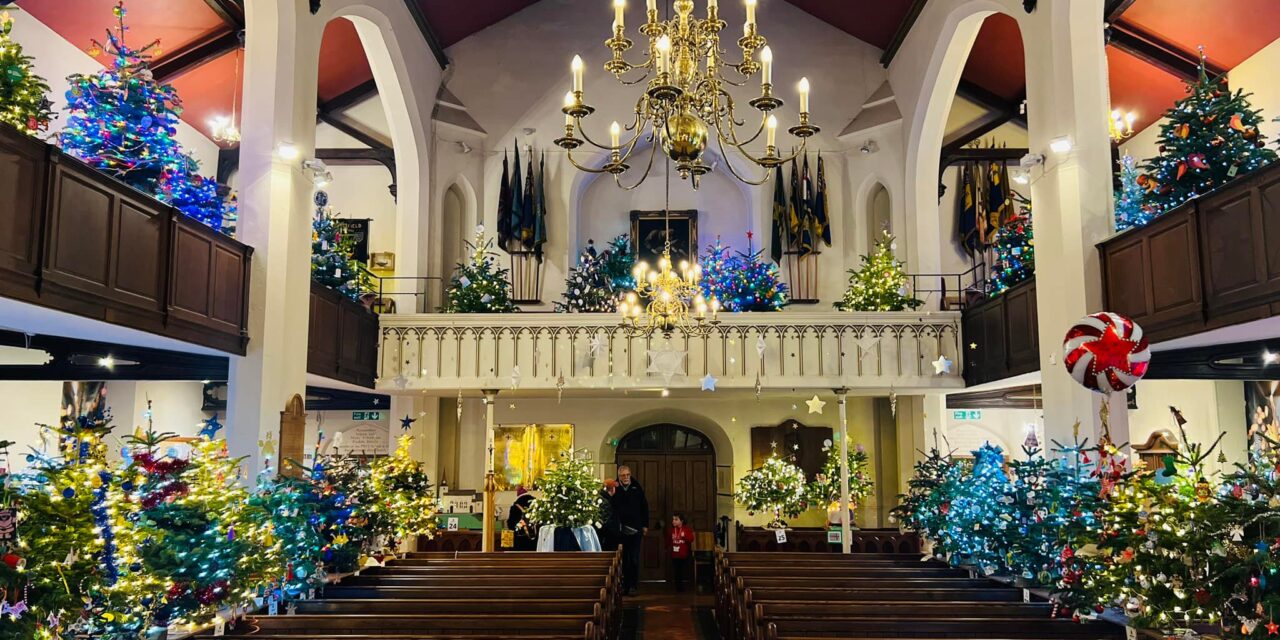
[
  {"x": 631, "y": 509},
  {"x": 525, "y": 534},
  {"x": 609, "y": 525}
]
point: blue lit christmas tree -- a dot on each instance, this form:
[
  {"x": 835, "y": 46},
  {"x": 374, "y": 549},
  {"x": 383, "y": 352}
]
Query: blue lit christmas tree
[
  {"x": 920, "y": 508},
  {"x": 979, "y": 515},
  {"x": 1015, "y": 251},
  {"x": 124, "y": 123},
  {"x": 743, "y": 281},
  {"x": 1131, "y": 210}
]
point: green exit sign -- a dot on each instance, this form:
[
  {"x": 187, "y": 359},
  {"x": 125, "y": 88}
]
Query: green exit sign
[
  {"x": 971, "y": 414},
  {"x": 366, "y": 415}
]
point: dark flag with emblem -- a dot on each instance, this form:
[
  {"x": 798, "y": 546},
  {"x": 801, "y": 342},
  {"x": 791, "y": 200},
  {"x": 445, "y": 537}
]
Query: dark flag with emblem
[
  {"x": 781, "y": 237},
  {"x": 821, "y": 209},
  {"x": 967, "y": 225},
  {"x": 517, "y": 204},
  {"x": 540, "y": 209},
  {"x": 527, "y": 213},
  {"x": 808, "y": 240},
  {"x": 998, "y": 206},
  {"x": 504, "y": 205},
  {"x": 794, "y": 209}
]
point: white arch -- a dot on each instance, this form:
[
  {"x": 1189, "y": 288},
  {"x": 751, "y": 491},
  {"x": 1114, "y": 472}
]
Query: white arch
[
  {"x": 862, "y": 207},
  {"x": 666, "y": 415},
  {"x": 408, "y": 78}
]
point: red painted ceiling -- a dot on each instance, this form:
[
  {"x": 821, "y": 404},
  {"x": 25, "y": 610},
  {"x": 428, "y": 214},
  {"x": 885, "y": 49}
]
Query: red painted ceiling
[
  {"x": 1230, "y": 30},
  {"x": 453, "y": 21}
]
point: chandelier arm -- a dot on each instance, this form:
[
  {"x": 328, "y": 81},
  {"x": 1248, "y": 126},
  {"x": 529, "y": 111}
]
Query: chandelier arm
[
  {"x": 583, "y": 132},
  {"x": 580, "y": 167},
  {"x": 617, "y": 178},
  {"x": 729, "y": 163},
  {"x": 733, "y": 137}
]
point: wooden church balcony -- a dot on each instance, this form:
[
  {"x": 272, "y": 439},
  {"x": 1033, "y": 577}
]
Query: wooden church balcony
[{"x": 442, "y": 353}]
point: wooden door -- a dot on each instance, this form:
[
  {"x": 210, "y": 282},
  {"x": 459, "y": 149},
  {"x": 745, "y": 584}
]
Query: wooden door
[{"x": 676, "y": 467}]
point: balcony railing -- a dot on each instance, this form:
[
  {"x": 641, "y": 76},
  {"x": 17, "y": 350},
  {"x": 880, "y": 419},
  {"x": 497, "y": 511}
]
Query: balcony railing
[{"x": 546, "y": 351}]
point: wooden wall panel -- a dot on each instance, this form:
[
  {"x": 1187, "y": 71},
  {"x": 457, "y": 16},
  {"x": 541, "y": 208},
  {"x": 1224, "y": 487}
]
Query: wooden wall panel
[
  {"x": 139, "y": 255},
  {"x": 192, "y": 255},
  {"x": 79, "y": 252},
  {"x": 23, "y": 170},
  {"x": 342, "y": 340},
  {"x": 1022, "y": 332}
]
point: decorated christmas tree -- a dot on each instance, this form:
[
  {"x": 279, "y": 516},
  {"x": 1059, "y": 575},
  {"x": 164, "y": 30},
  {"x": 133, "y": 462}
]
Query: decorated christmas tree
[
  {"x": 1206, "y": 139},
  {"x": 479, "y": 285},
  {"x": 124, "y": 123},
  {"x": 742, "y": 281},
  {"x": 192, "y": 545},
  {"x": 619, "y": 260},
  {"x": 570, "y": 494},
  {"x": 977, "y": 528},
  {"x": 1158, "y": 535},
  {"x": 825, "y": 488},
  {"x": 341, "y": 482},
  {"x": 403, "y": 507},
  {"x": 588, "y": 288},
  {"x": 1246, "y": 583},
  {"x": 1015, "y": 252},
  {"x": 776, "y": 488},
  {"x": 1131, "y": 207},
  {"x": 62, "y": 552},
  {"x": 295, "y": 513},
  {"x": 332, "y": 264},
  {"x": 1050, "y": 495},
  {"x": 919, "y": 509},
  {"x": 24, "y": 102},
  {"x": 881, "y": 283}
]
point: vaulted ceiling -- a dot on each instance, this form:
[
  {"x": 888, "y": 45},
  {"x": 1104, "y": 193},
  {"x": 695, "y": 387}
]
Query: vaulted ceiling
[{"x": 1152, "y": 42}]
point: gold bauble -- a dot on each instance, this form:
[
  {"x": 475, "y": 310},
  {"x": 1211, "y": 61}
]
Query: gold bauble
[{"x": 684, "y": 137}]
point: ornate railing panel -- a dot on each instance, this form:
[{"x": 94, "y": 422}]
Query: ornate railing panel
[{"x": 558, "y": 351}]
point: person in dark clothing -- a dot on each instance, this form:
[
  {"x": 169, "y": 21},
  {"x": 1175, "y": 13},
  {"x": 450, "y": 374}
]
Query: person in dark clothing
[
  {"x": 609, "y": 525},
  {"x": 631, "y": 508},
  {"x": 526, "y": 538}
]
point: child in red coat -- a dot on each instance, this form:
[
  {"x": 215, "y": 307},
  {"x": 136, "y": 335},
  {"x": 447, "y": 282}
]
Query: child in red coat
[{"x": 681, "y": 548}]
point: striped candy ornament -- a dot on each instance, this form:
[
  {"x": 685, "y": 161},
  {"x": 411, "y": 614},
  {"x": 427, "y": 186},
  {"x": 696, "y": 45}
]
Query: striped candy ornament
[{"x": 1106, "y": 352}]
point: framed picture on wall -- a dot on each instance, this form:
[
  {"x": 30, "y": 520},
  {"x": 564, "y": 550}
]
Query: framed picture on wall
[{"x": 648, "y": 233}]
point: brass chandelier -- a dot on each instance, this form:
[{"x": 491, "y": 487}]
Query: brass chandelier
[{"x": 686, "y": 79}]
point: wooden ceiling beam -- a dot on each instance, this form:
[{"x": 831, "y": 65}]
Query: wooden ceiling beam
[
  {"x": 900, "y": 35},
  {"x": 1159, "y": 53},
  {"x": 427, "y": 32},
  {"x": 349, "y": 98},
  {"x": 362, "y": 136},
  {"x": 230, "y": 11},
  {"x": 196, "y": 54},
  {"x": 1006, "y": 154},
  {"x": 1116, "y": 8},
  {"x": 980, "y": 128}
]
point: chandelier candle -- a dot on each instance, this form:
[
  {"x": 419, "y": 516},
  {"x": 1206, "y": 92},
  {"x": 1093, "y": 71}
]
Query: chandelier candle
[{"x": 686, "y": 102}]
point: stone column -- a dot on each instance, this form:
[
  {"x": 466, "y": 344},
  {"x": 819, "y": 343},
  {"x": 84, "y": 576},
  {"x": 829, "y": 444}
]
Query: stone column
[
  {"x": 1068, "y": 101},
  {"x": 281, "y": 52}
]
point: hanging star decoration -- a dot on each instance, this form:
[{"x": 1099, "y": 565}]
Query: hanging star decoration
[
  {"x": 815, "y": 404},
  {"x": 1273, "y": 628},
  {"x": 666, "y": 363},
  {"x": 210, "y": 427},
  {"x": 596, "y": 346},
  {"x": 406, "y": 423},
  {"x": 941, "y": 366},
  {"x": 400, "y": 381},
  {"x": 709, "y": 382}
]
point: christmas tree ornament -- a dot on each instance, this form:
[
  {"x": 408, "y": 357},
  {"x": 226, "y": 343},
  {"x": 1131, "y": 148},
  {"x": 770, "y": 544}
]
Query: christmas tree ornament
[
  {"x": 1106, "y": 352},
  {"x": 815, "y": 404},
  {"x": 942, "y": 366},
  {"x": 709, "y": 382}
]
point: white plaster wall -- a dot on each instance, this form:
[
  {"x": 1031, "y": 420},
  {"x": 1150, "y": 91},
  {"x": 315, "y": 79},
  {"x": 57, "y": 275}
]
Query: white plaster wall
[
  {"x": 1210, "y": 407},
  {"x": 361, "y": 192},
  {"x": 1005, "y": 428},
  {"x": 24, "y": 404},
  {"x": 56, "y": 58}
]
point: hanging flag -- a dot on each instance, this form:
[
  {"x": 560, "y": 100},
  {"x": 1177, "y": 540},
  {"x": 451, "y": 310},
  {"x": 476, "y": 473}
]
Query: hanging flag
[
  {"x": 997, "y": 203},
  {"x": 540, "y": 208},
  {"x": 807, "y": 238},
  {"x": 527, "y": 214},
  {"x": 781, "y": 237},
  {"x": 793, "y": 207},
  {"x": 967, "y": 224},
  {"x": 821, "y": 208},
  {"x": 517, "y": 204},
  {"x": 504, "y": 205}
]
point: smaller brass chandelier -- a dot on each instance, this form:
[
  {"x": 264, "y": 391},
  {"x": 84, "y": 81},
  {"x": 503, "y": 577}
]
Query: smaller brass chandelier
[
  {"x": 1121, "y": 125},
  {"x": 685, "y": 105},
  {"x": 673, "y": 301}
]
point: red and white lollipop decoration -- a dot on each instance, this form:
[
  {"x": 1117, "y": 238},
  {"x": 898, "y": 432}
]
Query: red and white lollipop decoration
[{"x": 1106, "y": 352}]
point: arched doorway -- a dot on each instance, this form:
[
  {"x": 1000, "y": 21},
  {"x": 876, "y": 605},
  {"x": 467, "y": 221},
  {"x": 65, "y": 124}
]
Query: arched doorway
[{"x": 676, "y": 467}]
